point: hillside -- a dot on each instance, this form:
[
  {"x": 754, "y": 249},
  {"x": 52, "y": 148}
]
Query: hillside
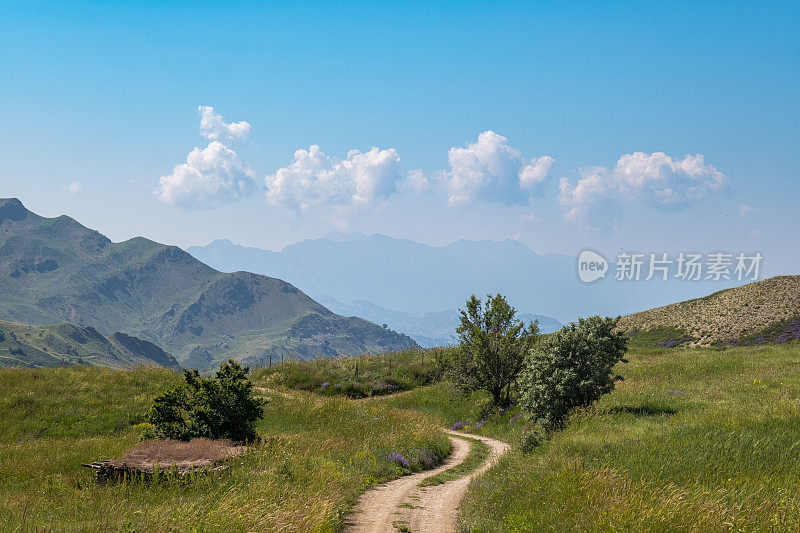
[
  {"x": 757, "y": 313},
  {"x": 56, "y": 270},
  {"x": 65, "y": 344}
]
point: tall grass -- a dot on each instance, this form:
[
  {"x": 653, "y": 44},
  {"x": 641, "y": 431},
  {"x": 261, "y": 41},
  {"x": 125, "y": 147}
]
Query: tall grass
[
  {"x": 692, "y": 440},
  {"x": 316, "y": 456},
  {"x": 362, "y": 376},
  {"x": 696, "y": 439}
]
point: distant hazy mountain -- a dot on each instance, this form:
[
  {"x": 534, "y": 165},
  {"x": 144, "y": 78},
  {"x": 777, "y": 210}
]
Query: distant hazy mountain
[
  {"x": 65, "y": 344},
  {"x": 55, "y": 270},
  {"x": 428, "y": 329},
  {"x": 408, "y": 277}
]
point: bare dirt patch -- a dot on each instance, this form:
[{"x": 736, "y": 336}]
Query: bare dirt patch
[{"x": 183, "y": 456}]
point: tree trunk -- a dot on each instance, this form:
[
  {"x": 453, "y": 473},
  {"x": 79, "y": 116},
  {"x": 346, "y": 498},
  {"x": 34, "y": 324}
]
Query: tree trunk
[{"x": 497, "y": 395}]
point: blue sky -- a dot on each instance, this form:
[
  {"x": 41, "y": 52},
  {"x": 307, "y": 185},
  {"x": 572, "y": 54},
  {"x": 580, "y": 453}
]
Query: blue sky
[{"x": 99, "y": 104}]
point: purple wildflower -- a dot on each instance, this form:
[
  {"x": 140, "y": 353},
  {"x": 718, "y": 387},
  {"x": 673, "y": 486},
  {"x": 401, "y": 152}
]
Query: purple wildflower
[
  {"x": 458, "y": 426},
  {"x": 426, "y": 458},
  {"x": 398, "y": 459}
]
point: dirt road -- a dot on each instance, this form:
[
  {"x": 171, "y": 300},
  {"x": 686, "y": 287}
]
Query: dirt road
[{"x": 403, "y": 502}]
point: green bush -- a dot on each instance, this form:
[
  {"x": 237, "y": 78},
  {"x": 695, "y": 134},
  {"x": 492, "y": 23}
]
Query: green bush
[
  {"x": 572, "y": 368},
  {"x": 221, "y": 407}
]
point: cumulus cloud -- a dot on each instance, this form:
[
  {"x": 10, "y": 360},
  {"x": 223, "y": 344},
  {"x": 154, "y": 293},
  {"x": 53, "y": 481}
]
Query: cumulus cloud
[
  {"x": 214, "y": 128},
  {"x": 491, "y": 170},
  {"x": 655, "y": 179},
  {"x": 360, "y": 181},
  {"x": 209, "y": 177},
  {"x": 415, "y": 181},
  {"x": 212, "y": 175}
]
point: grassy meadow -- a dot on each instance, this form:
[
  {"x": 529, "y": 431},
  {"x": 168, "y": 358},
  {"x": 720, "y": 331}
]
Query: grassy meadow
[
  {"x": 360, "y": 377},
  {"x": 704, "y": 439},
  {"x": 316, "y": 456},
  {"x": 692, "y": 440}
]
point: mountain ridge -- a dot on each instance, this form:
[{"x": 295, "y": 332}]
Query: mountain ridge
[
  {"x": 410, "y": 277},
  {"x": 58, "y": 270},
  {"x": 66, "y": 344}
]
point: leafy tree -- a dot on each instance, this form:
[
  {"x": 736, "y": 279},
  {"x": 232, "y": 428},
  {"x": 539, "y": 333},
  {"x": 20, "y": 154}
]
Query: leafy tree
[
  {"x": 572, "y": 368},
  {"x": 221, "y": 407},
  {"x": 493, "y": 347}
]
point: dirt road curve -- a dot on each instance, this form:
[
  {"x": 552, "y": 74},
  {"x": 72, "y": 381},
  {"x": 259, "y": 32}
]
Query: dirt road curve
[{"x": 424, "y": 509}]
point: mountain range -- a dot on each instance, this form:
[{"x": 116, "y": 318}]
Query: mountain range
[
  {"x": 56, "y": 270},
  {"x": 416, "y": 288}
]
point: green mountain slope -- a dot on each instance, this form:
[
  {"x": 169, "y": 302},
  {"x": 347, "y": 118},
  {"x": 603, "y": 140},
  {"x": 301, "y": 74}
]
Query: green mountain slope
[
  {"x": 55, "y": 270},
  {"x": 65, "y": 344},
  {"x": 757, "y": 313}
]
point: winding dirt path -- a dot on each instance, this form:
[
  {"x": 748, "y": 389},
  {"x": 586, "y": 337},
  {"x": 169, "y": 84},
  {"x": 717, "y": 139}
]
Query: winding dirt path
[{"x": 433, "y": 508}]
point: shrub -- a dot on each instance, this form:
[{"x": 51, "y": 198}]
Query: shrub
[
  {"x": 221, "y": 407},
  {"x": 493, "y": 347},
  {"x": 534, "y": 438},
  {"x": 572, "y": 368}
]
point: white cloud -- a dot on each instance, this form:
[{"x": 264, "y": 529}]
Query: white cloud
[
  {"x": 209, "y": 177},
  {"x": 491, "y": 170},
  {"x": 214, "y": 128},
  {"x": 415, "y": 181},
  {"x": 213, "y": 175},
  {"x": 536, "y": 172},
  {"x": 746, "y": 210},
  {"x": 754, "y": 234},
  {"x": 74, "y": 188},
  {"x": 358, "y": 182},
  {"x": 655, "y": 179}
]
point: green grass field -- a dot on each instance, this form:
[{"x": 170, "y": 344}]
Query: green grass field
[
  {"x": 698, "y": 440},
  {"x": 318, "y": 454},
  {"x": 360, "y": 377},
  {"x": 692, "y": 440}
]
